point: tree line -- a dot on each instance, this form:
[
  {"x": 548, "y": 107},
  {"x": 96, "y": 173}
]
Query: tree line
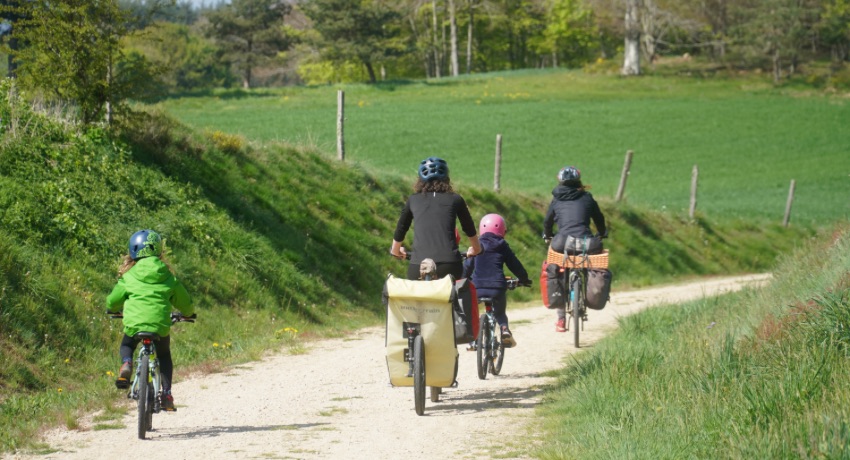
[{"x": 99, "y": 53}]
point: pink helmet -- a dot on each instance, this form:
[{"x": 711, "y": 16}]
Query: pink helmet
[{"x": 492, "y": 223}]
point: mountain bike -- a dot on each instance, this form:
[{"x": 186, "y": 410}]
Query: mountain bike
[
  {"x": 146, "y": 388},
  {"x": 489, "y": 348}
]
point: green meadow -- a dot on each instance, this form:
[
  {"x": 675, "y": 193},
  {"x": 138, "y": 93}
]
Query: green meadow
[{"x": 748, "y": 138}]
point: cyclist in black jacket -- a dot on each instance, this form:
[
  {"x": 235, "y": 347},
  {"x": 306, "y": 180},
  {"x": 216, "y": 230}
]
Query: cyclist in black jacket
[
  {"x": 436, "y": 208},
  {"x": 572, "y": 208}
]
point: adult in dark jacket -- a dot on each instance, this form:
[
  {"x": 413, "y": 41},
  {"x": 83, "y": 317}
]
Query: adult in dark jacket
[
  {"x": 436, "y": 208},
  {"x": 572, "y": 208},
  {"x": 487, "y": 270}
]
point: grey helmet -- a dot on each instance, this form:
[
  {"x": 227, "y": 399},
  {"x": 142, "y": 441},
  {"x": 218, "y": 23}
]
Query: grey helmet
[{"x": 569, "y": 174}]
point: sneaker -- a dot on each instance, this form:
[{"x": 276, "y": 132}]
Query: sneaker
[
  {"x": 561, "y": 325},
  {"x": 167, "y": 402},
  {"x": 126, "y": 371},
  {"x": 507, "y": 338},
  {"x": 124, "y": 376}
]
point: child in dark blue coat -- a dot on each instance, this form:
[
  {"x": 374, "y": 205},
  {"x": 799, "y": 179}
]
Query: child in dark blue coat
[{"x": 487, "y": 270}]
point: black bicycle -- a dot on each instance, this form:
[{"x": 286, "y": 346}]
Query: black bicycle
[
  {"x": 146, "y": 388},
  {"x": 489, "y": 348}
]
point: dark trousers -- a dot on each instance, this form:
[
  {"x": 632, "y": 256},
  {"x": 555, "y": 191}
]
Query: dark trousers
[
  {"x": 163, "y": 353},
  {"x": 500, "y": 303},
  {"x": 443, "y": 268}
]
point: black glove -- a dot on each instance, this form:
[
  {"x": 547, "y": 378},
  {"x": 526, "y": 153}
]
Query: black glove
[
  {"x": 526, "y": 283},
  {"x": 546, "y": 238}
]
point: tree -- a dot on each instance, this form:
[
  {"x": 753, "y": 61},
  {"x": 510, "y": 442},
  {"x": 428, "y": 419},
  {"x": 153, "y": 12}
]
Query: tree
[
  {"x": 71, "y": 49},
  {"x": 834, "y": 29},
  {"x": 355, "y": 30},
  {"x": 251, "y": 32},
  {"x": 188, "y": 61},
  {"x": 570, "y": 31},
  {"x": 776, "y": 29},
  {"x": 631, "y": 53}
]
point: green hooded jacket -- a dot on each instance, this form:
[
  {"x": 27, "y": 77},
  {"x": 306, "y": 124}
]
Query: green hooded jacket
[{"x": 146, "y": 295}]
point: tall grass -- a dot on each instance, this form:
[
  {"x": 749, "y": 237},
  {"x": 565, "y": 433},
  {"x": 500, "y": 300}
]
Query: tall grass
[
  {"x": 748, "y": 138},
  {"x": 757, "y": 374}
]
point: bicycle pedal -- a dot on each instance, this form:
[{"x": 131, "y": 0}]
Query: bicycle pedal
[{"x": 122, "y": 384}]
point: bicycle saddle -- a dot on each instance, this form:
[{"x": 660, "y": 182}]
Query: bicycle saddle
[{"x": 146, "y": 335}]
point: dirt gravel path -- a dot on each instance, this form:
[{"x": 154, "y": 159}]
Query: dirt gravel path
[{"x": 335, "y": 402}]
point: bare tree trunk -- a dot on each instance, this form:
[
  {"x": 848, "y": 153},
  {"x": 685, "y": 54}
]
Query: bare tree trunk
[
  {"x": 416, "y": 38},
  {"x": 469, "y": 35},
  {"x": 631, "y": 59},
  {"x": 437, "y": 71},
  {"x": 453, "y": 38},
  {"x": 371, "y": 70},
  {"x": 777, "y": 66},
  {"x": 246, "y": 76}
]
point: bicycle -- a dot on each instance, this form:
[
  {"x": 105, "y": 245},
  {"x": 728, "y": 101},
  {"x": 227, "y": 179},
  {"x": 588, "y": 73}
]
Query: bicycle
[
  {"x": 576, "y": 285},
  {"x": 489, "y": 349},
  {"x": 146, "y": 388},
  {"x": 414, "y": 354}
]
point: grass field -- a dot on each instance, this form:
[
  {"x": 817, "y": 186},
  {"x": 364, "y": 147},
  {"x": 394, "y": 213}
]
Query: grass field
[{"x": 748, "y": 139}]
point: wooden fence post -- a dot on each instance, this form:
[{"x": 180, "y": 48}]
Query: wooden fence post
[
  {"x": 694, "y": 180},
  {"x": 626, "y": 167},
  {"x": 340, "y": 116},
  {"x": 497, "y": 173},
  {"x": 787, "y": 218}
]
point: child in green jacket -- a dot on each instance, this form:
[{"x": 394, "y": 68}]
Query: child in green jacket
[{"x": 146, "y": 292}]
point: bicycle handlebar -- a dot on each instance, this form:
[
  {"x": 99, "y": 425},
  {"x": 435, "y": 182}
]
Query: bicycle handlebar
[
  {"x": 176, "y": 317},
  {"x": 513, "y": 283}
]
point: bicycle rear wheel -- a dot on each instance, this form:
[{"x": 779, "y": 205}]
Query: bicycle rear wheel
[
  {"x": 419, "y": 374},
  {"x": 483, "y": 347},
  {"x": 577, "y": 299},
  {"x": 145, "y": 404}
]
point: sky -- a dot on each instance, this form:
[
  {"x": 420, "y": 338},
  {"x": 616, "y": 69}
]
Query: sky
[{"x": 207, "y": 2}]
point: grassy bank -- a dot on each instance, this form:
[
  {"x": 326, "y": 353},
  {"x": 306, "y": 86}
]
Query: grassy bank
[
  {"x": 748, "y": 138},
  {"x": 757, "y": 374},
  {"x": 269, "y": 238}
]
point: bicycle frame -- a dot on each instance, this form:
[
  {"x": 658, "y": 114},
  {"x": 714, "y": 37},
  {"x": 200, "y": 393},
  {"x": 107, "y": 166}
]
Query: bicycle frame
[{"x": 147, "y": 348}]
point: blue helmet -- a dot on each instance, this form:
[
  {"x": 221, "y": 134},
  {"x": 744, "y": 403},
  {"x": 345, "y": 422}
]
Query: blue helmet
[
  {"x": 433, "y": 168},
  {"x": 145, "y": 243},
  {"x": 569, "y": 173}
]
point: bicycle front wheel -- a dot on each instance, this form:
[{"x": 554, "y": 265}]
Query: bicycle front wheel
[
  {"x": 483, "y": 347},
  {"x": 144, "y": 389},
  {"x": 419, "y": 374},
  {"x": 498, "y": 355}
]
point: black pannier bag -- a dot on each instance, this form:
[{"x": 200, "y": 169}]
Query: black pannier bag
[
  {"x": 598, "y": 288},
  {"x": 552, "y": 286},
  {"x": 466, "y": 311}
]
